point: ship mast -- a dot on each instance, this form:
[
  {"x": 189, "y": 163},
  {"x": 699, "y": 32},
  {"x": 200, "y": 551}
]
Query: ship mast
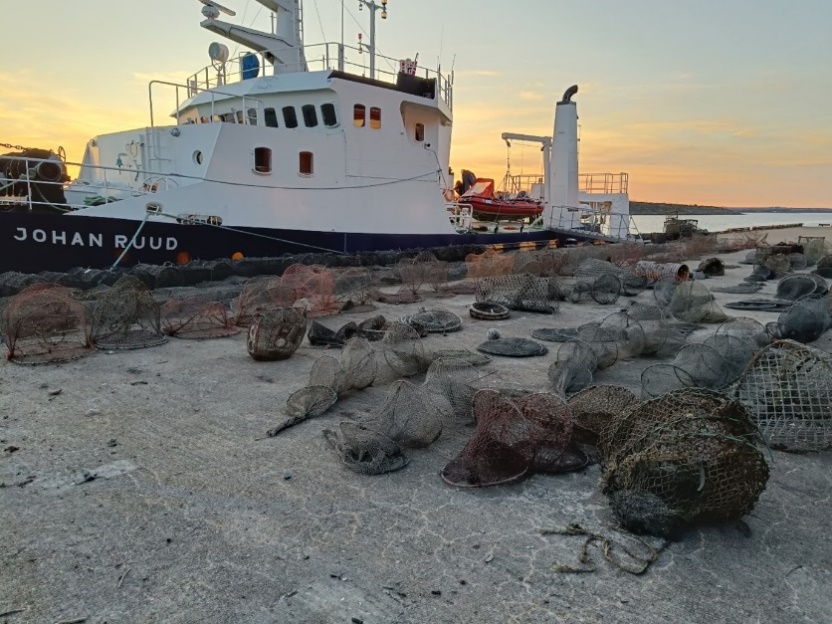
[{"x": 283, "y": 47}]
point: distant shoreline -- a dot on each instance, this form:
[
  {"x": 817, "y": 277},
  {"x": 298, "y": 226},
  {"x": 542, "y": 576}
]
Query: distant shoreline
[{"x": 655, "y": 208}]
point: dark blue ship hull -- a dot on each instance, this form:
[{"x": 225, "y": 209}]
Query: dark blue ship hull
[{"x": 31, "y": 242}]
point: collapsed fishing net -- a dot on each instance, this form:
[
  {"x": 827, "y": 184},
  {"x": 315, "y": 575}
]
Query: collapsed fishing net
[
  {"x": 814, "y": 247},
  {"x": 45, "y": 324},
  {"x": 513, "y": 439},
  {"x": 196, "y": 319},
  {"x": 824, "y": 267},
  {"x": 434, "y": 320},
  {"x": 787, "y": 391},
  {"x": 594, "y": 408},
  {"x": 542, "y": 263},
  {"x": 365, "y": 451},
  {"x": 804, "y": 321},
  {"x": 496, "y": 344},
  {"x": 591, "y": 271},
  {"x": 276, "y": 335},
  {"x": 793, "y": 287},
  {"x": 692, "y": 302},
  {"x": 688, "y": 457},
  {"x": 520, "y": 292},
  {"x": 572, "y": 370},
  {"x": 745, "y": 288},
  {"x": 127, "y": 317}
]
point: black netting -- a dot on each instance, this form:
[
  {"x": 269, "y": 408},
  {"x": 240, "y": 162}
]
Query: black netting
[
  {"x": 520, "y": 292},
  {"x": 434, "y": 320},
  {"x": 788, "y": 394},
  {"x": 593, "y": 408},
  {"x": 511, "y": 347},
  {"x": 127, "y": 317},
  {"x": 365, "y": 451},
  {"x": 692, "y": 302},
  {"x": 685, "y": 458}
]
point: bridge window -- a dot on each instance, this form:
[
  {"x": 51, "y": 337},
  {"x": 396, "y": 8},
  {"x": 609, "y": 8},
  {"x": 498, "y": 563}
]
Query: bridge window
[
  {"x": 252, "y": 116},
  {"x": 375, "y": 118},
  {"x": 420, "y": 132},
  {"x": 359, "y": 115},
  {"x": 310, "y": 115},
  {"x": 270, "y": 117},
  {"x": 290, "y": 117},
  {"x": 240, "y": 117},
  {"x": 305, "y": 165},
  {"x": 262, "y": 160},
  {"x": 328, "y": 113}
]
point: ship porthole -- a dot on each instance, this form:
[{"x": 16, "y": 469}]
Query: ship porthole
[
  {"x": 183, "y": 257},
  {"x": 198, "y": 157},
  {"x": 237, "y": 256}
]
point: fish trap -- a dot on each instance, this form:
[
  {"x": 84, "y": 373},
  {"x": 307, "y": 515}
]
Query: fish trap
[
  {"x": 197, "y": 319},
  {"x": 45, "y": 324},
  {"x": 688, "y": 457},
  {"x": 127, "y": 317}
]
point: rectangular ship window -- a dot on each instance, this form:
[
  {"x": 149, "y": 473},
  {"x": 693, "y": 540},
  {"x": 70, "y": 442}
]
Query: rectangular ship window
[
  {"x": 262, "y": 160},
  {"x": 270, "y": 117},
  {"x": 375, "y": 118},
  {"x": 328, "y": 113},
  {"x": 290, "y": 117},
  {"x": 305, "y": 166},
  {"x": 310, "y": 115},
  {"x": 359, "y": 115}
]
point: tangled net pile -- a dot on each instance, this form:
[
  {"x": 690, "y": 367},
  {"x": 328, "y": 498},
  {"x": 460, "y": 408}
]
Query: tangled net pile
[
  {"x": 411, "y": 416},
  {"x": 127, "y": 317},
  {"x": 515, "y": 437},
  {"x": 196, "y": 319},
  {"x": 520, "y": 292},
  {"x": 44, "y": 323},
  {"x": 489, "y": 263},
  {"x": 687, "y": 457},
  {"x": 787, "y": 391}
]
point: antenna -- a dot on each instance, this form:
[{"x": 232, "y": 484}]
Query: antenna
[{"x": 217, "y": 9}]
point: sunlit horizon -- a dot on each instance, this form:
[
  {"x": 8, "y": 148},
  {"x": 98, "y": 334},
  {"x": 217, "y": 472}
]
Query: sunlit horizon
[{"x": 691, "y": 117}]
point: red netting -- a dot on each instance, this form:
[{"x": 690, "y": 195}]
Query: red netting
[
  {"x": 514, "y": 437},
  {"x": 261, "y": 295},
  {"x": 196, "y": 319},
  {"x": 313, "y": 288},
  {"x": 490, "y": 263},
  {"x": 43, "y": 324}
]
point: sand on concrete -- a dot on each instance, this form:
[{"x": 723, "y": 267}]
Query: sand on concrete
[{"x": 191, "y": 519}]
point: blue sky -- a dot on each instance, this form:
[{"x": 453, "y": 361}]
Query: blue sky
[{"x": 711, "y": 102}]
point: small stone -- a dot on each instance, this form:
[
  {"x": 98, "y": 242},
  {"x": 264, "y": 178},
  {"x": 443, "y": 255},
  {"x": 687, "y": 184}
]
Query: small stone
[
  {"x": 168, "y": 540},
  {"x": 489, "y": 558},
  {"x": 93, "y": 412},
  {"x": 11, "y": 449},
  {"x": 44, "y": 386},
  {"x": 287, "y": 474},
  {"x": 356, "y": 620},
  {"x": 112, "y": 443},
  {"x": 436, "y": 592},
  {"x": 476, "y": 546},
  {"x": 463, "y": 582},
  {"x": 55, "y": 392}
]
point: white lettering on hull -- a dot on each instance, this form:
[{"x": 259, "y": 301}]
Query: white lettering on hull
[{"x": 77, "y": 239}]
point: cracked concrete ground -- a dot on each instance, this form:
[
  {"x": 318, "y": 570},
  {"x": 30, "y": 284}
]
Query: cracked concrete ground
[{"x": 140, "y": 493}]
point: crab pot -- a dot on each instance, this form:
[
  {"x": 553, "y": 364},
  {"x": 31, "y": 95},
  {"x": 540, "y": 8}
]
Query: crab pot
[
  {"x": 276, "y": 335},
  {"x": 655, "y": 271}
]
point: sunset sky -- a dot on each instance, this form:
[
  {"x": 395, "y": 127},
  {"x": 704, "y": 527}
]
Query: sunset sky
[{"x": 725, "y": 102}]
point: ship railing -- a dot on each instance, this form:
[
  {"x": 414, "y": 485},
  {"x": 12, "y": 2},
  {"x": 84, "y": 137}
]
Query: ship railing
[
  {"x": 591, "y": 222},
  {"x": 606, "y": 183},
  {"x": 318, "y": 57},
  {"x": 460, "y": 214},
  {"x": 26, "y": 189},
  {"x": 247, "y": 101}
]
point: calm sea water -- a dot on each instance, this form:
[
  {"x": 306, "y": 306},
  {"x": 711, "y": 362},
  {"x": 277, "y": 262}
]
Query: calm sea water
[{"x": 717, "y": 223}]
